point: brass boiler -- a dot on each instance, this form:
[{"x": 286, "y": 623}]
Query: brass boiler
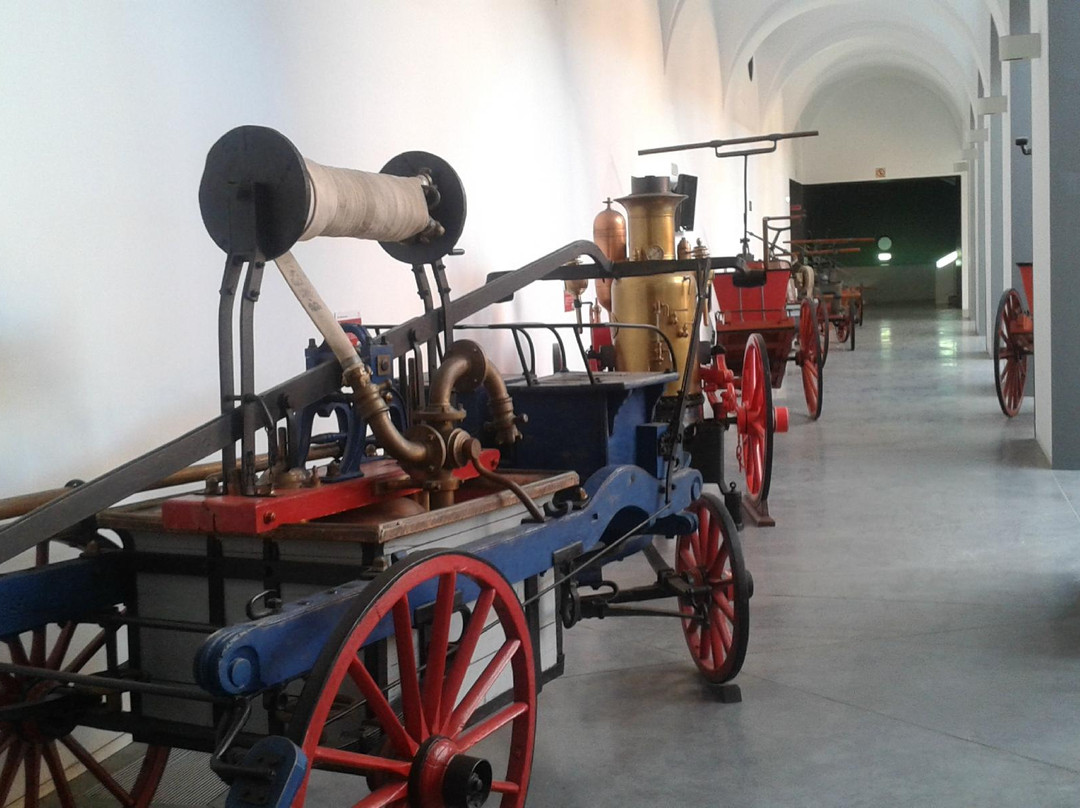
[
  {"x": 609, "y": 233},
  {"x": 667, "y": 300}
]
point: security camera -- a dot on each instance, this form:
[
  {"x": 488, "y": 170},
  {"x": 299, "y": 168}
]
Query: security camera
[{"x": 1022, "y": 142}]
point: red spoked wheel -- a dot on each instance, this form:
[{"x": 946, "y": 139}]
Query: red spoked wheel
[
  {"x": 717, "y": 616},
  {"x": 810, "y": 360},
  {"x": 1010, "y": 354},
  {"x": 425, "y": 739},
  {"x": 755, "y": 419},
  {"x": 823, "y": 329},
  {"x": 42, "y": 723}
]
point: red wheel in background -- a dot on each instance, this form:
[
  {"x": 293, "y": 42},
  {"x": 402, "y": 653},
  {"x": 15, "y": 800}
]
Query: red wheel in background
[
  {"x": 717, "y": 621},
  {"x": 823, "y": 329},
  {"x": 1010, "y": 357},
  {"x": 843, "y": 326},
  {"x": 809, "y": 359},
  {"x": 30, "y": 745},
  {"x": 756, "y": 424},
  {"x": 427, "y": 723}
]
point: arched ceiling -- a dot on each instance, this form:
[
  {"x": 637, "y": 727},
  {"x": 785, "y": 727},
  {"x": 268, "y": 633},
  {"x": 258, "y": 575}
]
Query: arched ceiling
[{"x": 802, "y": 47}]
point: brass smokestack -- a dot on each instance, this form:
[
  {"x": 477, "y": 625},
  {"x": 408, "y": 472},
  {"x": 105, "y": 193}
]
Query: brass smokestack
[
  {"x": 651, "y": 206},
  {"x": 667, "y": 301}
]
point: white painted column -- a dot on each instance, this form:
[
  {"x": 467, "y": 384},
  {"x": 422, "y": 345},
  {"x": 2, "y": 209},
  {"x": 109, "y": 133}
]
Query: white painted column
[{"x": 1056, "y": 234}]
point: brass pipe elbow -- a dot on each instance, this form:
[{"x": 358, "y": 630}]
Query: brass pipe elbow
[
  {"x": 371, "y": 407},
  {"x": 430, "y": 447},
  {"x": 464, "y": 368},
  {"x": 501, "y": 406}
]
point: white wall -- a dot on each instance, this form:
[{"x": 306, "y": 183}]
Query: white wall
[
  {"x": 877, "y": 122},
  {"x": 107, "y": 320}
]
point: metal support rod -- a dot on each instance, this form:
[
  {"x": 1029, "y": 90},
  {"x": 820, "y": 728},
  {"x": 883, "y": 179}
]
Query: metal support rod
[
  {"x": 527, "y": 367},
  {"x": 230, "y": 279},
  {"x": 438, "y": 271},
  {"x": 738, "y": 141},
  {"x": 154, "y": 623},
  {"x": 584, "y": 355},
  {"x": 656, "y": 561},
  {"x": 608, "y": 610},
  {"x": 252, "y": 285},
  {"x": 110, "y": 683},
  {"x": 423, "y": 291},
  {"x": 745, "y": 204}
]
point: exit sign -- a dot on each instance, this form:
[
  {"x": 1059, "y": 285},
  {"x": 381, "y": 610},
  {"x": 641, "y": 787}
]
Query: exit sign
[{"x": 879, "y": 173}]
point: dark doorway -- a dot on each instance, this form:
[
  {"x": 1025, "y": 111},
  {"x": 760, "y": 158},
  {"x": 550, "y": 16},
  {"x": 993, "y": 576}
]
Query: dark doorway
[{"x": 913, "y": 223}]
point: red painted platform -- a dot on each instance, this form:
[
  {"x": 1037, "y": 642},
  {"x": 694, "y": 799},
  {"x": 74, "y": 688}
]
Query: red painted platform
[{"x": 239, "y": 515}]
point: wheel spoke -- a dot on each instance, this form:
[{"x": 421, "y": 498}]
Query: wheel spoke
[
  {"x": 11, "y": 768},
  {"x": 37, "y": 647},
  {"x": 437, "y": 649},
  {"x": 720, "y": 562},
  {"x": 725, "y": 635},
  {"x": 387, "y": 795},
  {"x": 32, "y": 774},
  {"x": 153, "y": 767},
  {"x": 410, "y": 676},
  {"x": 719, "y": 649},
  {"x": 703, "y": 644},
  {"x": 491, "y": 725},
  {"x": 464, "y": 653},
  {"x": 503, "y": 787},
  {"x": 98, "y": 771},
  {"x": 60, "y": 781},
  {"x": 18, "y": 653},
  {"x": 724, "y": 605},
  {"x": 478, "y": 692},
  {"x": 87, "y": 653},
  {"x": 695, "y": 538},
  {"x": 59, "y": 651},
  {"x": 715, "y": 545},
  {"x": 384, "y": 713},
  {"x": 353, "y": 762}
]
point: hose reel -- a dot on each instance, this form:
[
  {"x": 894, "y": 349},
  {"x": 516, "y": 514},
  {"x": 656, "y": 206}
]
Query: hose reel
[{"x": 259, "y": 194}]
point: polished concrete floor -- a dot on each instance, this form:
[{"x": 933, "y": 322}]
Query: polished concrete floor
[
  {"x": 914, "y": 641},
  {"x": 915, "y": 638}
]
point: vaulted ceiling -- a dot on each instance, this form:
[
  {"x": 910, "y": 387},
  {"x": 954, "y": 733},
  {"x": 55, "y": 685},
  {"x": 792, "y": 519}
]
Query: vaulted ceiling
[{"x": 801, "y": 48}]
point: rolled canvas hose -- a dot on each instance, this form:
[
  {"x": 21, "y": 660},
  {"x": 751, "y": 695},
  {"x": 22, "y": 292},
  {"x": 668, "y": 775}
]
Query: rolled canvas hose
[{"x": 360, "y": 204}]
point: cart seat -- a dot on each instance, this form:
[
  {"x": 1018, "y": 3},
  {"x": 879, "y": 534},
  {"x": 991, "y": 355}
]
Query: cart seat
[{"x": 761, "y": 304}]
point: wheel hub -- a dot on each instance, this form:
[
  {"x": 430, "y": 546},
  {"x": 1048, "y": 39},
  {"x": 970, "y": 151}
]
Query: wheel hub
[
  {"x": 700, "y": 593},
  {"x": 444, "y": 777}
]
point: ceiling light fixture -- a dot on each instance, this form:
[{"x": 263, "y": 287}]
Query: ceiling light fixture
[{"x": 945, "y": 260}]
